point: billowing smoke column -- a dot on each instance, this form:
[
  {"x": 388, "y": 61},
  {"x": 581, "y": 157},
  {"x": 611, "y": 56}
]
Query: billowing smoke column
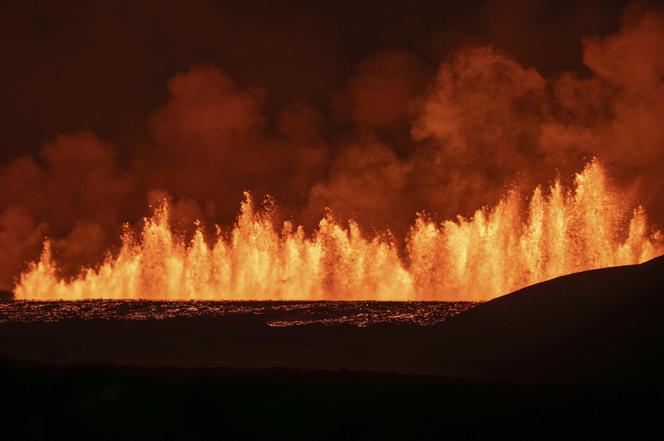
[{"x": 445, "y": 144}]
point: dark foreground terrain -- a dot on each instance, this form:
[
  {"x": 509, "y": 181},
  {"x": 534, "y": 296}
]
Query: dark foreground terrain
[
  {"x": 198, "y": 404},
  {"x": 582, "y": 353}
]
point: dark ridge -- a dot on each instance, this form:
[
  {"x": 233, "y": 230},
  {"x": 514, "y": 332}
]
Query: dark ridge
[{"x": 604, "y": 325}]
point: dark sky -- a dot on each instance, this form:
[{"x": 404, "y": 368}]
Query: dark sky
[{"x": 103, "y": 66}]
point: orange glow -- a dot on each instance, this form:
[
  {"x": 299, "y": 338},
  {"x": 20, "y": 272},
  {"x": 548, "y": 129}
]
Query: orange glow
[{"x": 495, "y": 251}]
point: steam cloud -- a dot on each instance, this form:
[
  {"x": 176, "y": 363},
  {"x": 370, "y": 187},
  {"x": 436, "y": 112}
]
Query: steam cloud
[{"x": 445, "y": 141}]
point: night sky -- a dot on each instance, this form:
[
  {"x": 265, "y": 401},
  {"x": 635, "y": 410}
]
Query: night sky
[{"x": 104, "y": 66}]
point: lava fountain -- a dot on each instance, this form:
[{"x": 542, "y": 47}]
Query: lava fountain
[{"x": 518, "y": 242}]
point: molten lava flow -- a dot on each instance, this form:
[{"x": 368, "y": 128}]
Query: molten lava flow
[{"x": 494, "y": 252}]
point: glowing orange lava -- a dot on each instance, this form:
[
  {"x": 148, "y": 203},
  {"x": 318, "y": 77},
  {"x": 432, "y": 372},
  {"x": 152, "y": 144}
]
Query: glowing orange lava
[{"x": 495, "y": 251}]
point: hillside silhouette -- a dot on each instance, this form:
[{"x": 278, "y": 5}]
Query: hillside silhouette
[{"x": 592, "y": 327}]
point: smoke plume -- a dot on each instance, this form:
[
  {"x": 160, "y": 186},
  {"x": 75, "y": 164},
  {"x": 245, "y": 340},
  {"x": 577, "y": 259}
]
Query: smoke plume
[{"x": 404, "y": 132}]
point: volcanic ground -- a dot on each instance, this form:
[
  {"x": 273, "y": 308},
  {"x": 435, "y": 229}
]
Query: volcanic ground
[{"x": 589, "y": 343}]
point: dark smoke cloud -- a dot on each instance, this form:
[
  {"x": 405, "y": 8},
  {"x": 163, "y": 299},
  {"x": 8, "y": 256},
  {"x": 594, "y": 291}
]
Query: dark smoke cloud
[
  {"x": 218, "y": 135},
  {"x": 379, "y": 94},
  {"x": 439, "y": 115}
]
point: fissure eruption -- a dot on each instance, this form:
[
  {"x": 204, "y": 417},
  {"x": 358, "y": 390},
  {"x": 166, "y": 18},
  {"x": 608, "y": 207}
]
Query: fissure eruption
[{"x": 518, "y": 242}]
